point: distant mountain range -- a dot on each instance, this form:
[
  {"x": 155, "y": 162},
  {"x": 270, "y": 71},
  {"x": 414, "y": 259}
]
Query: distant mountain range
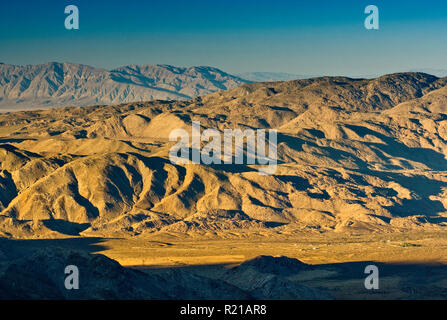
[
  {"x": 282, "y": 76},
  {"x": 66, "y": 84},
  {"x": 56, "y": 84},
  {"x": 271, "y": 76}
]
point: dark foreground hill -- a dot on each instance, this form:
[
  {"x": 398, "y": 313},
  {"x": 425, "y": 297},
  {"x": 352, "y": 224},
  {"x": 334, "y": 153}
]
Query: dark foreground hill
[{"x": 41, "y": 276}]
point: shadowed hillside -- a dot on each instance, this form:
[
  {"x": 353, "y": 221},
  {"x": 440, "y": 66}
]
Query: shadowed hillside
[{"x": 354, "y": 155}]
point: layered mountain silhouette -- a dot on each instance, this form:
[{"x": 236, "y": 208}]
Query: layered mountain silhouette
[{"x": 67, "y": 84}]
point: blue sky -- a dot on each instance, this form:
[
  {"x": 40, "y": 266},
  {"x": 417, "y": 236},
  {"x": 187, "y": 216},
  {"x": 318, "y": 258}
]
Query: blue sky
[{"x": 303, "y": 37}]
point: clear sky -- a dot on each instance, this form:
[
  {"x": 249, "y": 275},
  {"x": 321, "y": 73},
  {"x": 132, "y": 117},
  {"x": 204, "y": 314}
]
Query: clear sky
[{"x": 314, "y": 37}]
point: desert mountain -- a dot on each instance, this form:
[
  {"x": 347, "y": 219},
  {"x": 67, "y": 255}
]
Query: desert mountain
[
  {"x": 354, "y": 155},
  {"x": 67, "y": 84}
]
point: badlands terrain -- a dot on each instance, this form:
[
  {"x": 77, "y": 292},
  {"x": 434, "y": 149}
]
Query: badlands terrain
[{"x": 361, "y": 179}]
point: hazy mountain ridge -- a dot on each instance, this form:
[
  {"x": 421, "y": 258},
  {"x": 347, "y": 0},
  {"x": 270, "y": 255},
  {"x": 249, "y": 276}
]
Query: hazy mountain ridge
[
  {"x": 66, "y": 84},
  {"x": 271, "y": 76},
  {"x": 284, "y": 76},
  {"x": 436, "y": 72}
]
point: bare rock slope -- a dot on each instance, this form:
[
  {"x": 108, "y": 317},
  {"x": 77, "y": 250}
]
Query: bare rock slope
[
  {"x": 68, "y": 84},
  {"x": 354, "y": 156}
]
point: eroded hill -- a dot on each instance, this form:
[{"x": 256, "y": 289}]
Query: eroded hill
[{"x": 353, "y": 155}]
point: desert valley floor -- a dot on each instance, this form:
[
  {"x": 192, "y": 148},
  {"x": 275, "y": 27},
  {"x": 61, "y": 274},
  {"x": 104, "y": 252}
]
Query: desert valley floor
[{"x": 412, "y": 266}]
